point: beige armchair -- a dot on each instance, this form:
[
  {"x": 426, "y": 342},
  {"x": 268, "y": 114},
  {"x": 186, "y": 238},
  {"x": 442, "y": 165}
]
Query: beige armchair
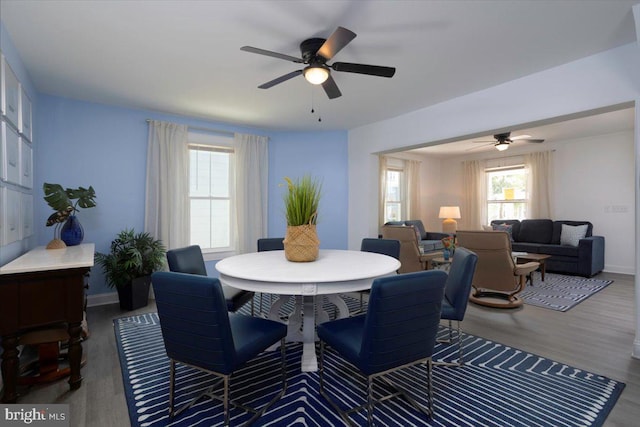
[
  {"x": 497, "y": 279},
  {"x": 410, "y": 258}
]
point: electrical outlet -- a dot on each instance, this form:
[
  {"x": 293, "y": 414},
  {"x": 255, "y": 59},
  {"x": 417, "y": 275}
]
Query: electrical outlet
[{"x": 620, "y": 209}]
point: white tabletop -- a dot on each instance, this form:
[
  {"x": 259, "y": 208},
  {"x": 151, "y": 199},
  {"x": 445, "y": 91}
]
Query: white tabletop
[
  {"x": 334, "y": 271},
  {"x": 42, "y": 259}
]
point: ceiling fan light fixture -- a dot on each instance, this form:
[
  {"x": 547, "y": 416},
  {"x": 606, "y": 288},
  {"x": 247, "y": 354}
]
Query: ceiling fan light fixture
[
  {"x": 316, "y": 74},
  {"x": 501, "y": 146}
]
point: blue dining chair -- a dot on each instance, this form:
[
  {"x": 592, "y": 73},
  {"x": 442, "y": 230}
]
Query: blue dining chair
[
  {"x": 199, "y": 331},
  {"x": 456, "y": 293},
  {"x": 189, "y": 260},
  {"x": 388, "y": 247},
  {"x": 398, "y": 331},
  {"x": 269, "y": 244}
]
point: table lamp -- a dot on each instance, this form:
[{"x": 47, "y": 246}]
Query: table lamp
[{"x": 449, "y": 214}]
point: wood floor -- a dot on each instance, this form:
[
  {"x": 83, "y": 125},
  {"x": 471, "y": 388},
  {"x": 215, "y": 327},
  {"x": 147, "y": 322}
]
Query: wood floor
[{"x": 597, "y": 335}]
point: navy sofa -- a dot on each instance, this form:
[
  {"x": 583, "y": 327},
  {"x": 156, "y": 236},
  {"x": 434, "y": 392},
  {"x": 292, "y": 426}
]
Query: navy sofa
[
  {"x": 542, "y": 236},
  {"x": 429, "y": 240}
]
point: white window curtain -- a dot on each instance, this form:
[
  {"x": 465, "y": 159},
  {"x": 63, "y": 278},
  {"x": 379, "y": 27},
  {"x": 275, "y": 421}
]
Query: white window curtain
[
  {"x": 474, "y": 208},
  {"x": 540, "y": 184},
  {"x": 412, "y": 173},
  {"x": 167, "y": 184},
  {"x": 251, "y": 183},
  {"x": 382, "y": 184}
]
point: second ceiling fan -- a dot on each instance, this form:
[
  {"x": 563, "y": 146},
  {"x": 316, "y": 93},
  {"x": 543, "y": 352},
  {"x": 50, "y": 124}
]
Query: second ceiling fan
[
  {"x": 316, "y": 52},
  {"x": 503, "y": 140}
]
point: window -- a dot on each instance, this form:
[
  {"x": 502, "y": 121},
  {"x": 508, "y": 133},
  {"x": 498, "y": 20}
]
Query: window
[
  {"x": 507, "y": 193},
  {"x": 211, "y": 163},
  {"x": 394, "y": 200}
]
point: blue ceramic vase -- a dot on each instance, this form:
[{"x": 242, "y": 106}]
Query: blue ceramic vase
[
  {"x": 72, "y": 232},
  {"x": 446, "y": 253}
]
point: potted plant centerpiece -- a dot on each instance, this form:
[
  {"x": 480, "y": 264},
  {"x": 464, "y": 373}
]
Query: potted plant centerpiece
[
  {"x": 62, "y": 202},
  {"x": 301, "y": 201},
  {"x": 129, "y": 264}
]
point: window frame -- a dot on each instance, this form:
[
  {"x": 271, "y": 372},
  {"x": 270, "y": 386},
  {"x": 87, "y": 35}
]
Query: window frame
[
  {"x": 504, "y": 201},
  {"x": 402, "y": 202},
  {"x": 215, "y": 143}
]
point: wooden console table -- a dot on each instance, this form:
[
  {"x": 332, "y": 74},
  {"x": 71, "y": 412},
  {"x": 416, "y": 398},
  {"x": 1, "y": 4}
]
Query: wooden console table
[{"x": 40, "y": 288}]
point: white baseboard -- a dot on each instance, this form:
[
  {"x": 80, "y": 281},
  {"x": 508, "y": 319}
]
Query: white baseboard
[
  {"x": 102, "y": 299},
  {"x": 621, "y": 269},
  {"x": 108, "y": 298},
  {"x": 636, "y": 349}
]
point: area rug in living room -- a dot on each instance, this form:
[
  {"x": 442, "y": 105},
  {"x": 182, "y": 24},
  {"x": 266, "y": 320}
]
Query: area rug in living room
[
  {"x": 559, "y": 292},
  {"x": 498, "y": 386}
]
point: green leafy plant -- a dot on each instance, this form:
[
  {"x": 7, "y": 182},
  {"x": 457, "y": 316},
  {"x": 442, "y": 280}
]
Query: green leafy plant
[
  {"x": 131, "y": 256},
  {"x": 301, "y": 201},
  {"x": 62, "y": 201}
]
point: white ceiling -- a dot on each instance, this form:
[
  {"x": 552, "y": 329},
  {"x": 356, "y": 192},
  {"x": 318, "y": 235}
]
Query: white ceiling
[{"x": 183, "y": 57}]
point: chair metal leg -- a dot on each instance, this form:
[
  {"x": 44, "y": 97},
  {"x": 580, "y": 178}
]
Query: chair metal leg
[
  {"x": 225, "y": 399},
  {"x": 172, "y": 384},
  {"x": 460, "y": 360},
  {"x": 430, "y": 386},
  {"x": 369, "y": 405},
  {"x": 321, "y": 367},
  {"x": 450, "y": 341},
  {"x": 369, "y": 400}
]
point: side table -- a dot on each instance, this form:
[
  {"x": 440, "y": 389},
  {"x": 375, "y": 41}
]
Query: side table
[
  {"x": 440, "y": 263},
  {"x": 540, "y": 258}
]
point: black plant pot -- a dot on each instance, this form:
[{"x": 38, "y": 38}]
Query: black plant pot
[{"x": 135, "y": 294}]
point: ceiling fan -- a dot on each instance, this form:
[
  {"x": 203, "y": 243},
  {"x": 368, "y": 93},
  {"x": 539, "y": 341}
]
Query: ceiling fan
[
  {"x": 316, "y": 52},
  {"x": 502, "y": 140}
]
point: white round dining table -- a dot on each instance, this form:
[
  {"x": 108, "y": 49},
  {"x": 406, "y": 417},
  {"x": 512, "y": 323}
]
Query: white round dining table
[{"x": 334, "y": 272}]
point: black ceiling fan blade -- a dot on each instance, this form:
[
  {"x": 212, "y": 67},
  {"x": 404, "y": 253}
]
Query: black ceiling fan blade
[
  {"x": 371, "y": 70},
  {"x": 280, "y": 79},
  {"x": 336, "y": 42},
  {"x": 331, "y": 88},
  {"x": 272, "y": 54},
  {"x": 537, "y": 141}
]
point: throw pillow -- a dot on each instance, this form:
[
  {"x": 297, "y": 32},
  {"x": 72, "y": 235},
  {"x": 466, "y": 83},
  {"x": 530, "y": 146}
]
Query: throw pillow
[
  {"x": 504, "y": 227},
  {"x": 487, "y": 228},
  {"x": 571, "y": 234}
]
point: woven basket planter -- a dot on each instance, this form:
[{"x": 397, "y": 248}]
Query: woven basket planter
[{"x": 301, "y": 243}]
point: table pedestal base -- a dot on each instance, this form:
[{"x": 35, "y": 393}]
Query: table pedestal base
[{"x": 301, "y": 326}]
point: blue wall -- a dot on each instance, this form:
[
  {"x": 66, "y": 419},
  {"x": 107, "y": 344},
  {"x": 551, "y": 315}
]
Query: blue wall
[
  {"x": 82, "y": 144},
  {"x": 322, "y": 155}
]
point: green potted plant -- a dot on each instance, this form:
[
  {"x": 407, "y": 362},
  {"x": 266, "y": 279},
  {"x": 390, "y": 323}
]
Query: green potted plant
[
  {"x": 301, "y": 202},
  {"x": 129, "y": 264},
  {"x": 65, "y": 203}
]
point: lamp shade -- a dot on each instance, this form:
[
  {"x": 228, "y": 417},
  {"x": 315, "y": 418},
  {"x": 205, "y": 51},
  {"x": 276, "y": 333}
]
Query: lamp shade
[
  {"x": 501, "y": 146},
  {"x": 316, "y": 74},
  {"x": 449, "y": 212}
]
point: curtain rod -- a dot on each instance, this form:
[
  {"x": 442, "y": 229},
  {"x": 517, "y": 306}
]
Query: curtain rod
[{"x": 224, "y": 132}]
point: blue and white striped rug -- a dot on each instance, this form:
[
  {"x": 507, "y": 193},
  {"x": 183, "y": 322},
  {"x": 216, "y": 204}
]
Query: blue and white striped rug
[
  {"x": 560, "y": 292},
  {"x": 498, "y": 386}
]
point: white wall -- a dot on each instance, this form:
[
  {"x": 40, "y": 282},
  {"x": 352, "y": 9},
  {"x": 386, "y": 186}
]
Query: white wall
[{"x": 597, "y": 184}]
